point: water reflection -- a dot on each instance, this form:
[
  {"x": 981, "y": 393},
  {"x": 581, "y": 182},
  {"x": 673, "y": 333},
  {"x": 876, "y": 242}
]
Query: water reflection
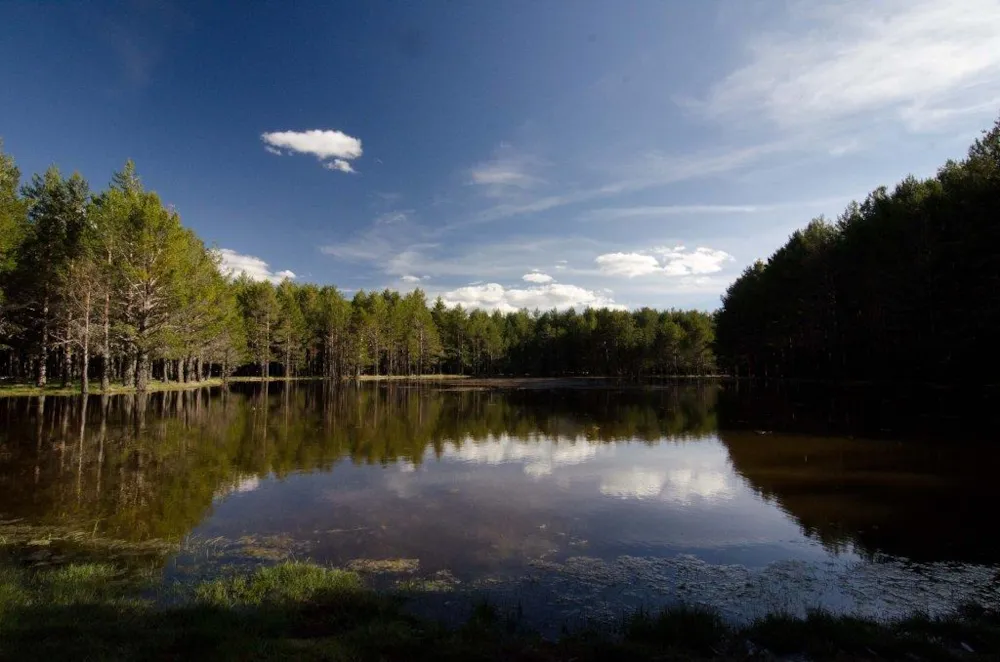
[{"x": 478, "y": 481}]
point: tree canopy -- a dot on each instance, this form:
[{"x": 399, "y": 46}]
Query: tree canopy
[
  {"x": 902, "y": 287},
  {"x": 111, "y": 285}
]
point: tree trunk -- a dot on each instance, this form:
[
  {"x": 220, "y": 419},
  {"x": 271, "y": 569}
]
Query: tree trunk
[
  {"x": 142, "y": 371},
  {"x": 267, "y": 349},
  {"x": 106, "y": 346},
  {"x": 85, "y": 346},
  {"x": 67, "y": 357},
  {"x": 43, "y": 350},
  {"x": 129, "y": 372}
]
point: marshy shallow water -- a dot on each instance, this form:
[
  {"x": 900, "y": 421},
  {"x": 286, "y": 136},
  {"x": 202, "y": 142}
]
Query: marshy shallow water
[{"x": 573, "y": 503}]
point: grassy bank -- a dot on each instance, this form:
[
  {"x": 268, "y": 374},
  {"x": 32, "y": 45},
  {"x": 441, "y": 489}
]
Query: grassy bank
[
  {"x": 303, "y": 611},
  {"x": 8, "y": 390}
]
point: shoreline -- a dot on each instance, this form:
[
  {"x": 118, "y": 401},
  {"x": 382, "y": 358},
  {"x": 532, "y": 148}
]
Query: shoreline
[
  {"x": 295, "y": 609},
  {"x": 14, "y": 390},
  {"x": 10, "y": 390}
]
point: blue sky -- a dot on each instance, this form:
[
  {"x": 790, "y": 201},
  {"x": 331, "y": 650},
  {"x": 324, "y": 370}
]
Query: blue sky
[{"x": 501, "y": 154}]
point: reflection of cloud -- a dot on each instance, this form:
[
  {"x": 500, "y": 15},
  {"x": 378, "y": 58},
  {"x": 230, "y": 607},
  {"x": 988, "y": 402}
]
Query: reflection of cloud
[
  {"x": 673, "y": 485},
  {"x": 634, "y": 484},
  {"x": 539, "y": 457},
  {"x": 683, "y": 484},
  {"x": 240, "y": 486}
]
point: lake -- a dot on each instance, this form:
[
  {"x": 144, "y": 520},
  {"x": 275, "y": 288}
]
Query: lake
[{"x": 569, "y": 502}]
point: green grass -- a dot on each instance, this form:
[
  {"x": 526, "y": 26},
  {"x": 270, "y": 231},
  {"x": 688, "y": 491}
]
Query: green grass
[
  {"x": 286, "y": 583},
  {"x": 299, "y": 611},
  {"x": 11, "y": 390}
]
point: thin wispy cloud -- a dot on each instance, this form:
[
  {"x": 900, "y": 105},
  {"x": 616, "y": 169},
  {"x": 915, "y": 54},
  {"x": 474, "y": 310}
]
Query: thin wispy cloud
[
  {"x": 509, "y": 170},
  {"x": 654, "y": 211},
  {"x": 646, "y": 171},
  {"x": 335, "y": 149},
  {"x": 919, "y": 61}
]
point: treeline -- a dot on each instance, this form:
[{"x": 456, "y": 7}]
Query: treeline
[
  {"x": 110, "y": 286},
  {"x": 902, "y": 287}
]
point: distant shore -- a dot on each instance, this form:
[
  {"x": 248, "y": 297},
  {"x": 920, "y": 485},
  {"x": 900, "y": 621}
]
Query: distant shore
[
  {"x": 73, "y": 388},
  {"x": 20, "y": 389}
]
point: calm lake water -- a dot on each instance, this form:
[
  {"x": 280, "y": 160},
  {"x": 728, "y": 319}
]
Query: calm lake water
[{"x": 571, "y": 502}]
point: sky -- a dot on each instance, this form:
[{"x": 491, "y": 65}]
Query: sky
[{"x": 501, "y": 155}]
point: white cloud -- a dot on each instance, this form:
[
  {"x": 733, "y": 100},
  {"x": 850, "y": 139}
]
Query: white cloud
[
  {"x": 493, "y": 296},
  {"x": 273, "y": 150},
  {"x": 921, "y": 61},
  {"x": 537, "y": 277},
  {"x": 676, "y": 261},
  {"x": 233, "y": 263},
  {"x": 335, "y": 148},
  {"x": 411, "y": 279},
  {"x": 627, "y": 264}
]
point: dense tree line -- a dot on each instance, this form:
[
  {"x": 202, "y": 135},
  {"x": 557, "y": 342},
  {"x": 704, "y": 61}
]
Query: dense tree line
[
  {"x": 900, "y": 287},
  {"x": 111, "y": 286}
]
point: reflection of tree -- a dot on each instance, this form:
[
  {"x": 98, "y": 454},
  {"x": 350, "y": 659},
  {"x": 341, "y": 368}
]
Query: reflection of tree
[
  {"x": 920, "y": 501},
  {"x": 149, "y": 466},
  {"x": 910, "y": 411}
]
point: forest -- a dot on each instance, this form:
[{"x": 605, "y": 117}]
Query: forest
[
  {"x": 110, "y": 287},
  {"x": 902, "y": 287}
]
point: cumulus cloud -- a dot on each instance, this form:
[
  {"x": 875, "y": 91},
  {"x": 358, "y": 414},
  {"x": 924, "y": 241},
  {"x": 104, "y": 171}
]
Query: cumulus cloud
[
  {"x": 922, "y": 61},
  {"x": 676, "y": 261},
  {"x": 233, "y": 264},
  {"x": 334, "y": 148},
  {"x": 493, "y": 296},
  {"x": 537, "y": 276},
  {"x": 627, "y": 264}
]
